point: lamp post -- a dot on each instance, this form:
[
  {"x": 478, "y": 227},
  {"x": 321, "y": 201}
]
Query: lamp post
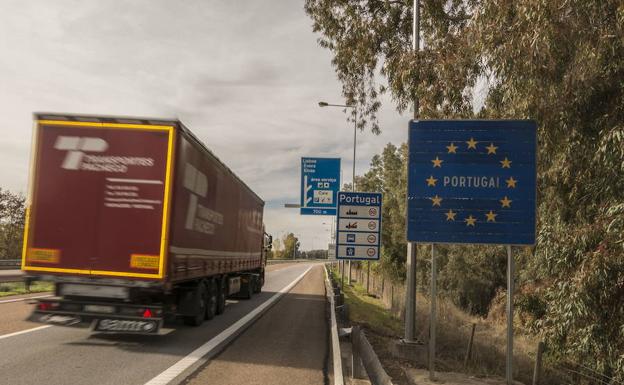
[{"x": 325, "y": 104}]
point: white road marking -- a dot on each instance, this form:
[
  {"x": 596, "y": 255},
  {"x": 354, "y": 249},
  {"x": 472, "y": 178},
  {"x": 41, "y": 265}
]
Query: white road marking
[
  {"x": 24, "y": 331},
  {"x": 176, "y": 369},
  {"x": 26, "y": 298},
  {"x": 138, "y": 181}
]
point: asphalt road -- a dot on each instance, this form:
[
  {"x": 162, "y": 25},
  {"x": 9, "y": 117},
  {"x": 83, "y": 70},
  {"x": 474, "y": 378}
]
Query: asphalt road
[
  {"x": 288, "y": 345},
  {"x": 65, "y": 356}
]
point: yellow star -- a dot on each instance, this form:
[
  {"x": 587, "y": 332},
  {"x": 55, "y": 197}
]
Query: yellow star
[
  {"x": 450, "y": 216},
  {"x": 491, "y": 217},
  {"x": 511, "y": 182},
  {"x": 436, "y": 200},
  {"x": 470, "y": 221},
  {"x": 437, "y": 162},
  {"x": 506, "y": 163},
  {"x": 472, "y": 143},
  {"x": 431, "y": 181},
  {"x": 491, "y": 148},
  {"x": 452, "y": 148},
  {"x": 505, "y": 202}
]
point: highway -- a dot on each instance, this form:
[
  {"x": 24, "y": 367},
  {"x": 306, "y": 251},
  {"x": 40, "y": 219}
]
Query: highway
[{"x": 287, "y": 343}]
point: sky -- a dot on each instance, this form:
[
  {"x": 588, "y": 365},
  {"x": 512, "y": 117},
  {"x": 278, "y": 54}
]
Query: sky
[{"x": 245, "y": 76}]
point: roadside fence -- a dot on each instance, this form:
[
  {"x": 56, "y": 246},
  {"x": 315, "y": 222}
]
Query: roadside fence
[{"x": 469, "y": 341}]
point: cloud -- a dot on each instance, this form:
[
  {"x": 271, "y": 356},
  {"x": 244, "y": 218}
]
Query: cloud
[{"x": 244, "y": 76}]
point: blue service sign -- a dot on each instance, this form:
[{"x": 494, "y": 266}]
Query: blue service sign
[
  {"x": 320, "y": 182},
  {"x": 472, "y": 181},
  {"x": 358, "y": 233}
]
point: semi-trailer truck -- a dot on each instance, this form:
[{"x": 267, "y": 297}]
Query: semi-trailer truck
[{"x": 136, "y": 221}]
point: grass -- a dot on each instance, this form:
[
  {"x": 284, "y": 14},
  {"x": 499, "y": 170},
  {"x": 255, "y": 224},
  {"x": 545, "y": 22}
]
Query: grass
[
  {"x": 453, "y": 331},
  {"x": 17, "y": 288},
  {"x": 369, "y": 311}
]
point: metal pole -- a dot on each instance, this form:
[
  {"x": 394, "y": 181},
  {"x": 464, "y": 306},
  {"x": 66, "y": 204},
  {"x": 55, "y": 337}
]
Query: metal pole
[
  {"x": 354, "y": 145},
  {"x": 342, "y": 277},
  {"x": 367, "y": 275},
  {"x": 410, "y": 300},
  {"x": 294, "y": 248},
  {"x": 432, "y": 319},
  {"x": 510, "y": 311},
  {"x": 349, "y": 280},
  {"x": 416, "y": 45}
]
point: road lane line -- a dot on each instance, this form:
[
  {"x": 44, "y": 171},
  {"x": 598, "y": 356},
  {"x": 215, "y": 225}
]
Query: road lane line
[
  {"x": 218, "y": 341},
  {"x": 26, "y": 298},
  {"x": 25, "y": 331}
]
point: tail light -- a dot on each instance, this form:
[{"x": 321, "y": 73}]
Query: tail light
[
  {"x": 147, "y": 313},
  {"x": 46, "y": 306}
]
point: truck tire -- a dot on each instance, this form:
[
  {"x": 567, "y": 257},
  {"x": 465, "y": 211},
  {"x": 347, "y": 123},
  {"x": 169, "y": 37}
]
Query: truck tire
[
  {"x": 211, "y": 296},
  {"x": 200, "y": 307},
  {"x": 257, "y": 284},
  {"x": 221, "y": 295},
  {"x": 248, "y": 288}
]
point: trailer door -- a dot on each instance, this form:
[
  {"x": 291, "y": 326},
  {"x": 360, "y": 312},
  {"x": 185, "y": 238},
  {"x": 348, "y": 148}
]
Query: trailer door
[{"x": 99, "y": 199}]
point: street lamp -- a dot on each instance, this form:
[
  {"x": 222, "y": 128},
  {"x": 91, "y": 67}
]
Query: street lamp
[{"x": 325, "y": 104}]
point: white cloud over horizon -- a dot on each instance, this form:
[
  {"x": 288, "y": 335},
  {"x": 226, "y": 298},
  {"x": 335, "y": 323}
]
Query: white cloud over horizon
[{"x": 244, "y": 76}]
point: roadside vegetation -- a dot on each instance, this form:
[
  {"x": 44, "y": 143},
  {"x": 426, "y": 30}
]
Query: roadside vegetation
[
  {"x": 11, "y": 224},
  {"x": 17, "y": 288},
  {"x": 560, "y": 63}
]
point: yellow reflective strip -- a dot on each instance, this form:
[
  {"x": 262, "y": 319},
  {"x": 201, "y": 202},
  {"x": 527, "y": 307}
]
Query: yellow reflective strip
[
  {"x": 148, "y": 127},
  {"x": 87, "y": 272},
  {"x": 164, "y": 235}
]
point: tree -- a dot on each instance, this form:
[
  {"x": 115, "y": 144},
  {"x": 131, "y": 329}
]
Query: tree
[
  {"x": 291, "y": 246},
  {"x": 12, "y": 215},
  {"x": 387, "y": 175},
  {"x": 558, "y": 62}
]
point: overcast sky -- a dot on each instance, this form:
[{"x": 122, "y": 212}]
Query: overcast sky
[{"x": 244, "y": 76}]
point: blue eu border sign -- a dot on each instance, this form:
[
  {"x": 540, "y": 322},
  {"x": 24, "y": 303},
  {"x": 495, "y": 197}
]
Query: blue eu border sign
[
  {"x": 472, "y": 181},
  {"x": 320, "y": 182},
  {"x": 358, "y": 229}
]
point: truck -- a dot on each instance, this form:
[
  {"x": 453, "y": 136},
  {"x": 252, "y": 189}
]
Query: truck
[{"x": 136, "y": 222}]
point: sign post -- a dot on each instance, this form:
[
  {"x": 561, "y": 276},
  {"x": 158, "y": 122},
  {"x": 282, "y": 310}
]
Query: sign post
[
  {"x": 320, "y": 182},
  {"x": 472, "y": 182},
  {"x": 359, "y": 225}
]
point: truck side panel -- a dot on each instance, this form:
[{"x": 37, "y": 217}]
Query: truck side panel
[
  {"x": 99, "y": 199},
  {"x": 216, "y": 223}
]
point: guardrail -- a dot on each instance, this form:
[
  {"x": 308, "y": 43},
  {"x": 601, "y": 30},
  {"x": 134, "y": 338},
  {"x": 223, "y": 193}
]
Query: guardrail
[
  {"x": 278, "y": 261},
  {"x": 10, "y": 263},
  {"x": 11, "y": 276},
  {"x": 335, "y": 342}
]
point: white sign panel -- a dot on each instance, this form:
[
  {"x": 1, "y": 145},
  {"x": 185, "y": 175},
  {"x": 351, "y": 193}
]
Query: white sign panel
[{"x": 358, "y": 226}]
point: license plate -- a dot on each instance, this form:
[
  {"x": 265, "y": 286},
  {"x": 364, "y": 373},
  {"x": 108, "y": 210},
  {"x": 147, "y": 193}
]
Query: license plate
[
  {"x": 99, "y": 309},
  {"x": 126, "y": 326},
  {"x": 74, "y": 289},
  {"x": 57, "y": 319}
]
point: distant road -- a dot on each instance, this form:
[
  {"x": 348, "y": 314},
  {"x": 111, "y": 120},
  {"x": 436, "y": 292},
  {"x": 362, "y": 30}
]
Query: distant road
[{"x": 66, "y": 356}]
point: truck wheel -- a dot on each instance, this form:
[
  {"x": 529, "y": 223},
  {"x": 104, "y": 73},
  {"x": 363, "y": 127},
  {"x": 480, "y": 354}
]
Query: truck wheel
[
  {"x": 221, "y": 295},
  {"x": 248, "y": 289},
  {"x": 200, "y": 307},
  {"x": 211, "y": 304},
  {"x": 257, "y": 285}
]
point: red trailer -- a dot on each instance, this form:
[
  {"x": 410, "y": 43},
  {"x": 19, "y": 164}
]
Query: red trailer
[{"x": 135, "y": 220}]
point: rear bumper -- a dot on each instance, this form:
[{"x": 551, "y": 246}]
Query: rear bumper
[{"x": 72, "y": 313}]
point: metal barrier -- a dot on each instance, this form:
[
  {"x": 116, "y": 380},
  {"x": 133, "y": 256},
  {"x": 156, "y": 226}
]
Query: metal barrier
[
  {"x": 337, "y": 357},
  {"x": 10, "y": 263}
]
